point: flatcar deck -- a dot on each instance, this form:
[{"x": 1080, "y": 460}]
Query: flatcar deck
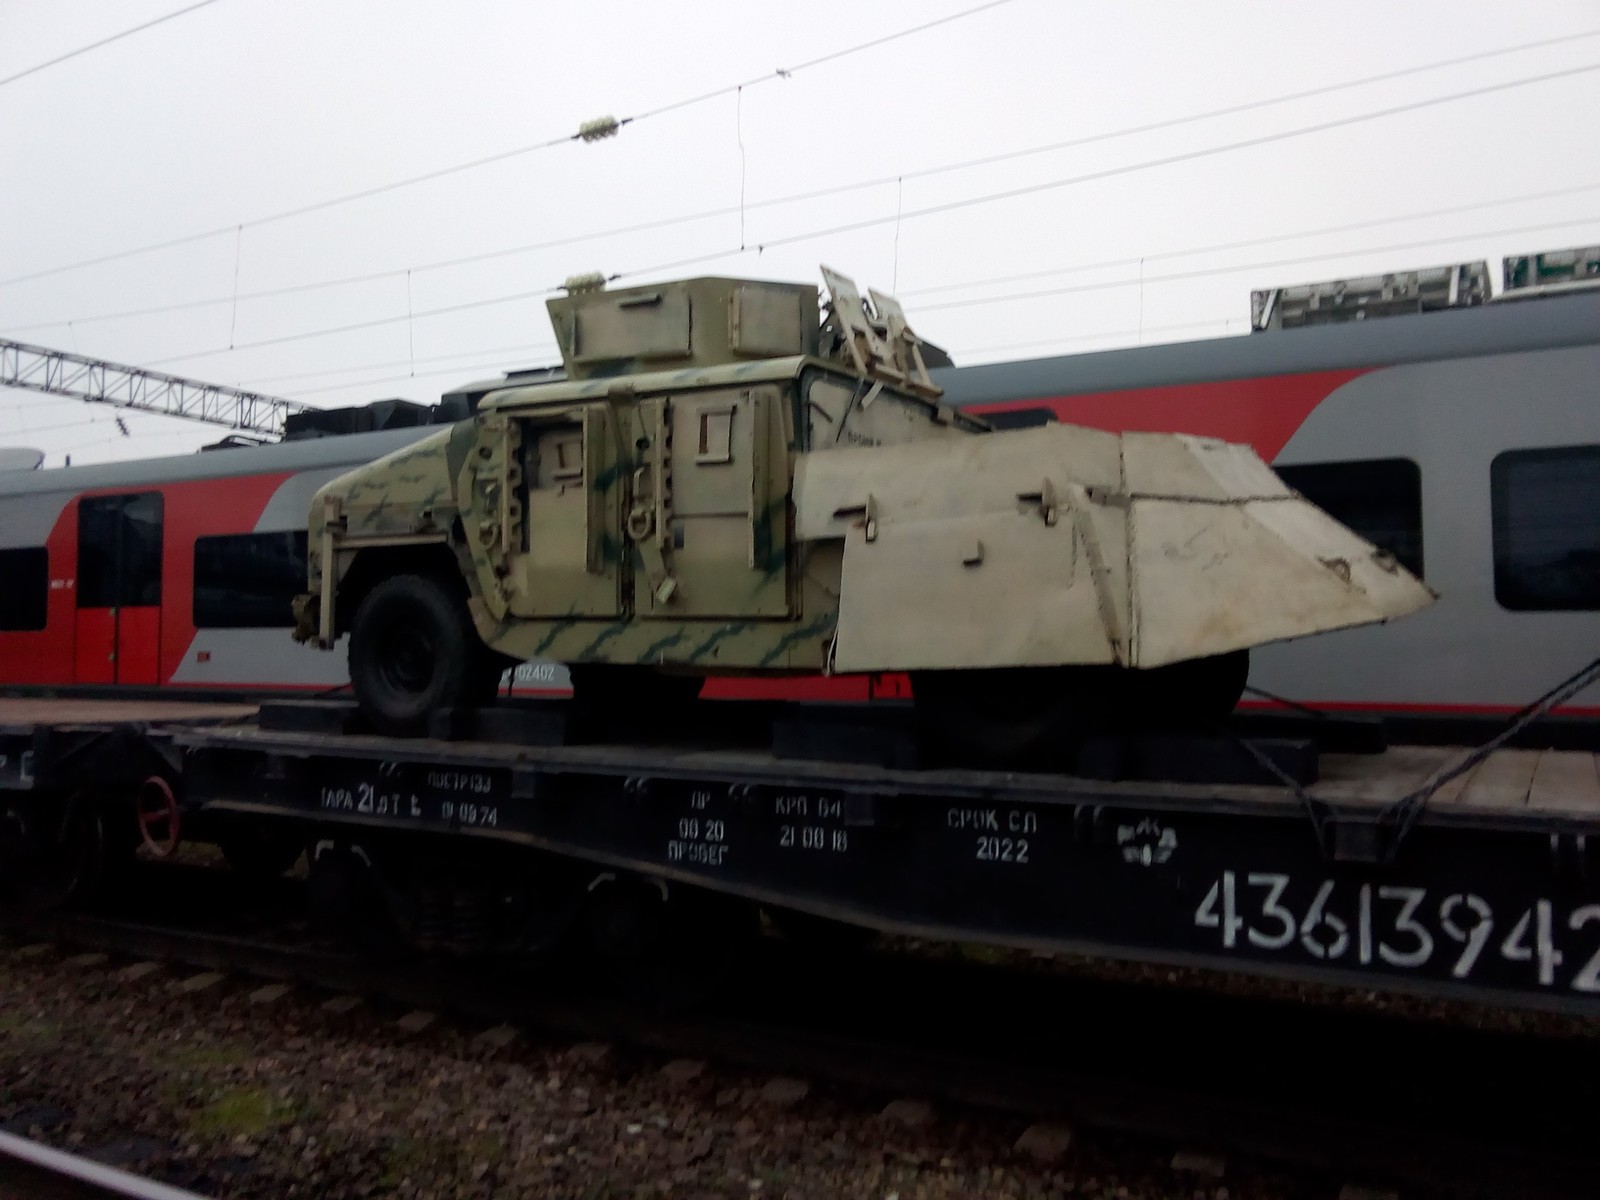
[
  {"x": 1510, "y": 787},
  {"x": 29, "y": 712},
  {"x": 65, "y": 744}
]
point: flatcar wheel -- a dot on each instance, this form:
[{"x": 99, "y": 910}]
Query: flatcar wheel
[
  {"x": 1003, "y": 716},
  {"x": 350, "y": 901},
  {"x": 414, "y": 652},
  {"x": 261, "y": 854},
  {"x": 672, "y": 948},
  {"x": 812, "y": 934},
  {"x": 67, "y": 867}
]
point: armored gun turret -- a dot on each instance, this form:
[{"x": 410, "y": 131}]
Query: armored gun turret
[{"x": 735, "y": 478}]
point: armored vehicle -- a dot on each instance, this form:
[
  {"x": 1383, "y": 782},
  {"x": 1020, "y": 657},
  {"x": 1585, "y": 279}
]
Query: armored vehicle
[{"x": 733, "y": 477}]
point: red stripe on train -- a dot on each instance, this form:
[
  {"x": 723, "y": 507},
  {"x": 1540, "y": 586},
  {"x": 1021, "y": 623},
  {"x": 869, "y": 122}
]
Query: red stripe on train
[{"x": 1265, "y": 412}]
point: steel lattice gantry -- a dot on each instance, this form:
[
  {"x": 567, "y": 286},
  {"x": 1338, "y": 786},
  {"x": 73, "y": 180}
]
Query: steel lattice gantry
[{"x": 61, "y": 374}]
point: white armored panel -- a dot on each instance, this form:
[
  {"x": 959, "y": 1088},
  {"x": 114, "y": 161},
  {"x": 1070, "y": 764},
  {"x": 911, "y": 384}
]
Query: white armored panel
[
  {"x": 1162, "y": 464},
  {"x": 968, "y": 590},
  {"x": 940, "y": 478},
  {"x": 1209, "y": 578},
  {"x": 1060, "y": 545}
]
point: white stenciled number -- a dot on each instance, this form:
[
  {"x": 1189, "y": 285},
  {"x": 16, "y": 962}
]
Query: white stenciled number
[
  {"x": 1543, "y": 951},
  {"x": 1228, "y": 920},
  {"x": 1588, "y": 979},
  {"x": 1337, "y": 938},
  {"x": 1272, "y": 909},
  {"x": 1002, "y": 850},
  {"x": 1405, "y": 922},
  {"x": 1475, "y": 934}
]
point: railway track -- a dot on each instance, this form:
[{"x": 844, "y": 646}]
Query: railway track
[
  {"x": 30, "y": 1171},
  {"x": 1316, "y": 1088}
]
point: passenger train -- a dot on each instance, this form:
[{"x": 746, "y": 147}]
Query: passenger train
[{"x": 1466, "y": 440}]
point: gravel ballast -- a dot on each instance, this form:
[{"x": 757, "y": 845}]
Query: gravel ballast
[{"x": 235, "y": 1095}]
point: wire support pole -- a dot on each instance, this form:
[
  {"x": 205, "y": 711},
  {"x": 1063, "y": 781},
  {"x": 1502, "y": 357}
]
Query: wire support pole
[{"x": 96, "y": 381}]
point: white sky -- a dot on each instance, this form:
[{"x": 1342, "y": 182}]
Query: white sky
[{"x": 247, "y": 108}]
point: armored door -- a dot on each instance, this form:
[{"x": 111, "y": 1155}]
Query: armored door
[
  {"x": 565, "y": 555},
  {"x": 711, "y": 506}
]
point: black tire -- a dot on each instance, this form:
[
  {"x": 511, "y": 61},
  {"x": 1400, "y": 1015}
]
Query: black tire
[
  {"x": 413, "y": 653},
  {"x": 1001, "y": 716},
  {"x": 1035, "y": 716},
  {"x": 1197, "y": 692}
]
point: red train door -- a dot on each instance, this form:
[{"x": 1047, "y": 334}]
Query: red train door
[{"x": 118, "y": 629}]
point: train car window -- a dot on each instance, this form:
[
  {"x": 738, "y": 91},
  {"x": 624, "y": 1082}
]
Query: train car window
[
  {"x": 26, "y": 591},
  {"x": 119, "y": 551},
  {"x": 248, "y": 580},
  {"x": 1019, "y": 418},
  {"x": 1379, "y": 498},
  {"x": 1546, "y": 531}
]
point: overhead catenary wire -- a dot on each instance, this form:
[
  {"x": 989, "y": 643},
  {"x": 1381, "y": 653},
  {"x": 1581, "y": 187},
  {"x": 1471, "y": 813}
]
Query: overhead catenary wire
[
  {"x": 587, "y": 132},
  {"x": 105, "y": 41},
  {"x": 1078, "y": 268},
  {"x": 522, "y": 348},
  {"x": 932, "y": 210},
  {"x": 1202, "y": 272},
  {"x": 493, "y": 364},
  {"x": 1209, "y": 323},
  {"x": 1260, "y": 240},
  {"x": 898, "y": 179},
  {"x": 1124, "y": 169},
  {"x": 1106, "y": 285}
]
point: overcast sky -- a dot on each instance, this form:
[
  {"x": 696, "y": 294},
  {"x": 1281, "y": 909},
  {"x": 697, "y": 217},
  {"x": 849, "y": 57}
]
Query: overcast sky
[{"x": 225, "y": 117}]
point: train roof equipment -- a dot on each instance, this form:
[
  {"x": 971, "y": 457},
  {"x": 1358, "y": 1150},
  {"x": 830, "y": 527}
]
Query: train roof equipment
[{"x": 1424, "y": 290}]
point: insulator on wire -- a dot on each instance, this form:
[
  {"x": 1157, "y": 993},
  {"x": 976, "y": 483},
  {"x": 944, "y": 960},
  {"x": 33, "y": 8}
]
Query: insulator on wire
[
  {"x": 592, "y": 281},
  {"x": 600, "y": 127}
]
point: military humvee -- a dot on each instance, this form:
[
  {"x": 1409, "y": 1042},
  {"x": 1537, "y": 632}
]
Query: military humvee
[{"x": 729, "y": 480}]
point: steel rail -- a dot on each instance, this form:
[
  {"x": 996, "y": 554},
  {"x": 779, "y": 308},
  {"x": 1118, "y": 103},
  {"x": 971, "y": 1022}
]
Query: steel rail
[{"x": 31, "y": 1171}]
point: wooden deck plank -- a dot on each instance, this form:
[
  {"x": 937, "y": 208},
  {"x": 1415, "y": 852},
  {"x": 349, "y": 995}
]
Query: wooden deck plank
[
  {"x": 1503, "y": 780},
  {"x": 1566, "y": 781},
  {"x": 30, "y": 710},
  {"x": 1381, "y": 777},
  {"x": 1452, "y": 792}
]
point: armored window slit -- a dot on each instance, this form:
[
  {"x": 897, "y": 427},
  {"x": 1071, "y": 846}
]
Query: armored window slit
[{"x": 715, "y": 443}]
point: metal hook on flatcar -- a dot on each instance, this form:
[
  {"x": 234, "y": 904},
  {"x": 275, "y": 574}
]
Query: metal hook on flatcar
[{"x": 155, "y": 806}]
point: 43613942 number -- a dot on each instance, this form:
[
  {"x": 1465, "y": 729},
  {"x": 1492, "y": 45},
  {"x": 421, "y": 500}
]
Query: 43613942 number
[{"x": 1399, "y": 926}]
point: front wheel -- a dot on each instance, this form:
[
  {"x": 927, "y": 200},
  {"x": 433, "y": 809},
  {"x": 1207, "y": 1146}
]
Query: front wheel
[
  {"x": 1035, "y": 716},
  {"x": 414, "y": 652}
]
